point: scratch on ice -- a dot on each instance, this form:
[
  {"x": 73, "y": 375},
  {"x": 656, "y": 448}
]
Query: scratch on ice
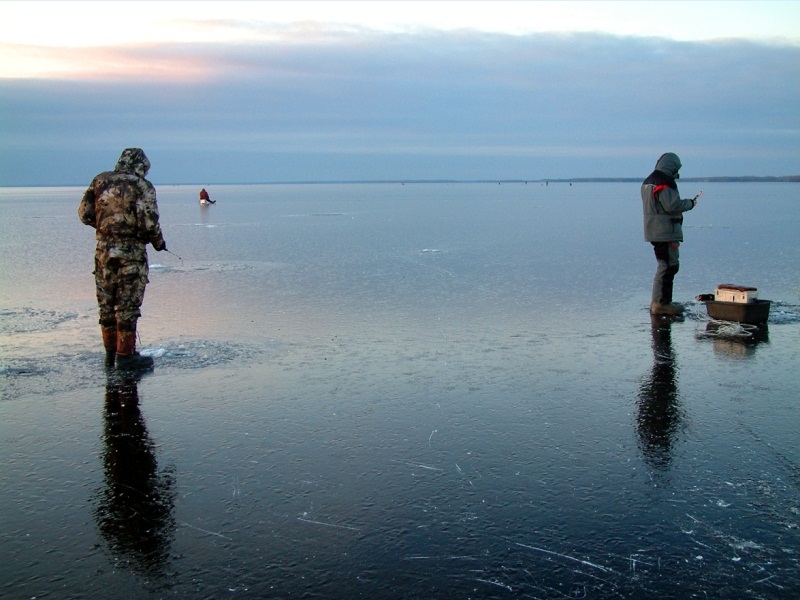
[
  {"x": 497, "y": 583},
  {"x": 583, "y": 562},
  {"x": 421, "y": 466},
  {"x": 449, "y": 557},
  {"x": 327, "y": 524},
  {"x": 206, "y": 531}
]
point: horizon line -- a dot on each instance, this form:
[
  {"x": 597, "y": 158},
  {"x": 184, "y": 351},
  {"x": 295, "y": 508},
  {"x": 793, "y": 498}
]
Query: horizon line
[{"x": 711, "y": 179}]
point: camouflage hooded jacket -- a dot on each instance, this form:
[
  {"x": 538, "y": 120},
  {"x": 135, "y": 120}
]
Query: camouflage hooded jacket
[{"x": 121, "y": 204}]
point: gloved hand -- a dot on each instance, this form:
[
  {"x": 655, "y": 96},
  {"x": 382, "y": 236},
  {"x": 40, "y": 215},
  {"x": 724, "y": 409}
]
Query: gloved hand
[{"x": 161, "y": 248}]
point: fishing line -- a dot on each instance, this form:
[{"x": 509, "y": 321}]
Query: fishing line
[
  {"x": 175, "y": 255},
  {"x": 722, "y": 329},
  {"x": 726, "y": 329}
]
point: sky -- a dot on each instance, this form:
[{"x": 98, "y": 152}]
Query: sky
[{"x": 253, "y": 92}]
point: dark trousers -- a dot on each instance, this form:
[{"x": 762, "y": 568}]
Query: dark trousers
[{"x": 667, "y": 255}]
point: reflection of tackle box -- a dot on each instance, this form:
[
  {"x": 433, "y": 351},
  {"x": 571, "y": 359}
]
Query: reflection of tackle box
[{"x": 740, "y": 294}]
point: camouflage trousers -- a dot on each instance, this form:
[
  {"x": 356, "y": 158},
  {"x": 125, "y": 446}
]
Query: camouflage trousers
[{"x": 120, "y": 276}]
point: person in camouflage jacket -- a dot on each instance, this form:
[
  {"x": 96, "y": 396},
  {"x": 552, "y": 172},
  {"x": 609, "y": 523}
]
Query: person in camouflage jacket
[{"x": 121, "y": 206}]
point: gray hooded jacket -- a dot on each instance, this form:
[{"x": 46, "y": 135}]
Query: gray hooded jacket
[{"x": 662, "y": 206}]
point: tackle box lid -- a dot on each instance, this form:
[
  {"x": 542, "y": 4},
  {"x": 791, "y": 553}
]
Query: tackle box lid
[{"x": 736, "y": 288}]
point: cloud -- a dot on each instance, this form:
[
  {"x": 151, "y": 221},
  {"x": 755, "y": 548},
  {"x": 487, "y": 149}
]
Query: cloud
[{"x": 345, "y": 105}]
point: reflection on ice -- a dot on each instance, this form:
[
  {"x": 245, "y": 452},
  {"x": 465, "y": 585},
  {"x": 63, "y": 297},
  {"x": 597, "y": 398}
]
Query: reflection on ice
[
  {"x": 728, "y": 329},
  {"x": 134, "y": 510},
  {"x": 731, "y": 339},
  {"x": 660, "y": 413}
]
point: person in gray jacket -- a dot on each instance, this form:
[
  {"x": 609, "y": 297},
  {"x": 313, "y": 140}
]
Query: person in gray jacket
[{"x": 663, "y": 211}]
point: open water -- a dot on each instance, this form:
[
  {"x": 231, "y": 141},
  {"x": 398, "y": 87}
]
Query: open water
[{"x": 403, "y": 391}]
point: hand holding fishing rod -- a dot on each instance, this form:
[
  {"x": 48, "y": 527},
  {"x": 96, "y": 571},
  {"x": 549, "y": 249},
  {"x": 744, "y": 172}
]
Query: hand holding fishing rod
[
  {"x": 164, "y": 248},
  {"x": 696, "y": 198}
]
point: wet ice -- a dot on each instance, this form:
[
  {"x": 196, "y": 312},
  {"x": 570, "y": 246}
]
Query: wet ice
[{"x": 454, "y": 387}]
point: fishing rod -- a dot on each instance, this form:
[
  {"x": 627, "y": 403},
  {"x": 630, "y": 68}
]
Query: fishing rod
[{"x": 175, "y": 255}]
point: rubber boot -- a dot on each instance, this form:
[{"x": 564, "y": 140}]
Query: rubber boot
[
  {"x": 127, "y": 357},
  {"x": 110, "y": 343},
  {"x": 671, "y": 309}
]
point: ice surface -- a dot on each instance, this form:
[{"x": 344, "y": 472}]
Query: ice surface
[
  {"x": 154, "y": 352},
  {"x": 404, "y": 391}
]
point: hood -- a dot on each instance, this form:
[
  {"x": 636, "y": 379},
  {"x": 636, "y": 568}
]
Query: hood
[
  {"x": 670, "y": 164},
  {"x": 133, "y": 161}
]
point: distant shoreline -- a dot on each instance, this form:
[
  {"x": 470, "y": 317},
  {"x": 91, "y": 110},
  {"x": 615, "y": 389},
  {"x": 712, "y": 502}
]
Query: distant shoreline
[
  {"x": 744, "y": 179},
  {"x": 747, "y": 179}
]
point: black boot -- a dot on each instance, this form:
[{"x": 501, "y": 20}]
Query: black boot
[{"x": 127, "y": 357}]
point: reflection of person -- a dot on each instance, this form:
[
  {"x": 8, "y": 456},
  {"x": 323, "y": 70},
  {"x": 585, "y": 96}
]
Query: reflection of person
[
  {"x": 121, "y": 206},
  {"x": 135, "y": 509},
  {"x": 205, "y": 198},
  {"x": 663, "y": 211},
  {"x": 659, "y": 412}
]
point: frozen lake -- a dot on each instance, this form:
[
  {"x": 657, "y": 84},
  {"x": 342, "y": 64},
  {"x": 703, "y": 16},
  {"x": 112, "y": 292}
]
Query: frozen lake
[{"x": 403, "y": 391}]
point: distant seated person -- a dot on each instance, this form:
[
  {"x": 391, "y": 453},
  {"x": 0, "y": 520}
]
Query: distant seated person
[{"x": 204, "y": 197}]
